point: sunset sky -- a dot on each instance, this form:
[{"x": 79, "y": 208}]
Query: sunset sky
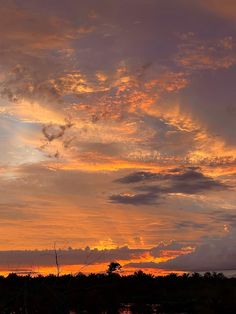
[{"x": 117, "y": 134}]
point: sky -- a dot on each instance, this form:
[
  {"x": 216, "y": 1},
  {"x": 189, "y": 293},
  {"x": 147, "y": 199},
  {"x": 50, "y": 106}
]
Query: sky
[{"x": 117, "y": 135}]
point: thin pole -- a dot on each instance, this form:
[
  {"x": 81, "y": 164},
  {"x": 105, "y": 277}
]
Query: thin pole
[{"x": 56, "y": 259}]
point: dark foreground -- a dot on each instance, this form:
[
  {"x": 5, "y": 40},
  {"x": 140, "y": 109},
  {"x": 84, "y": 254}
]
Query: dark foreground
[{"x": 111, "y": 293}]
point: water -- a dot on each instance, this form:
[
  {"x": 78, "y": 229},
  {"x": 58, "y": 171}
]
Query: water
[{"x": 131, "y": 308}]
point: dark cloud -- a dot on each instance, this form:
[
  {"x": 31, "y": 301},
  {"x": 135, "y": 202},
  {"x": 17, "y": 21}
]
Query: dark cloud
[
  {"x": 188, "y": 176},
  {"x": 186, "y": 224},
  {"x": 157, "y": 185},
  {"x": 192, "y": 182},
  {"x": 138, "y": 177},
  {"x": 134, "y": 199},
  {"x": 173, "y": 246},
  {"x": 66, "y": 257},
  {"x": 143, "y": 265},
  {"x": 85, "y": 256}
]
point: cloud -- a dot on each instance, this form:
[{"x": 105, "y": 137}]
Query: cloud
[
  {"x": 58, "y": 83},
  {"x": 134, "y": 199},
  {"x": 225, "y": 9},
  {"x": 157, "y": 185},
  {"x": 37, "y": 31},
  {"x": 139, "y": 177},
  {"x": 89, "y": 256},
  {"x": 186, "y": 224},
  {"x": 157, "y": 98},
  {"x": 52, "y": 131},
  {"x": 16, "y": 212},
  {"x": 211, "y": 254},
  {"x": 196, "y": 54},
  {"x": 214, "y": 254},
  {"x": 193, "y": 181}
]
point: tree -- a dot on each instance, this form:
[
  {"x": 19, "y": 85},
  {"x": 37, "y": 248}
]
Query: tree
[
  {"x": 56, "y": 259},
  {"x": 113, "y": 267}
]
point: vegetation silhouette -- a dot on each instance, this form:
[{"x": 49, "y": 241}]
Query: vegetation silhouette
[
  {"x": 112, "y": 293},
  {"x": 113, "y": 267}
]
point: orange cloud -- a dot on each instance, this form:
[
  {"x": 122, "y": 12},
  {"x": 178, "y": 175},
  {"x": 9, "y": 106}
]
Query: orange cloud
[{"x": 226, "y": 8}]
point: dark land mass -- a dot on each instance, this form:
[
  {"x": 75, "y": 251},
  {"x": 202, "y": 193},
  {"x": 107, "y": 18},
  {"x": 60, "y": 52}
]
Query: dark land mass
[{"x": 109, "y": 293}]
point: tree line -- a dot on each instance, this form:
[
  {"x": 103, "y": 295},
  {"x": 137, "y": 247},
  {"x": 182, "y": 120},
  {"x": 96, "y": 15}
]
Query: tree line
[{"x": 110, "y": 293}]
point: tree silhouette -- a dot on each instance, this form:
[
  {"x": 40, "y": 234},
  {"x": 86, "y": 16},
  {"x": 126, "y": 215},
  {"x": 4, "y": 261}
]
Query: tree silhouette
[
  {"x": 103, "y": 293},
  {"x": 113, "y": 267}
]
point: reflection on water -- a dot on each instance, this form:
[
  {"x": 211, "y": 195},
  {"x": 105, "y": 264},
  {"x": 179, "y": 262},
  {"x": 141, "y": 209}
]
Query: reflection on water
[{"x": 133, "y": 308}]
